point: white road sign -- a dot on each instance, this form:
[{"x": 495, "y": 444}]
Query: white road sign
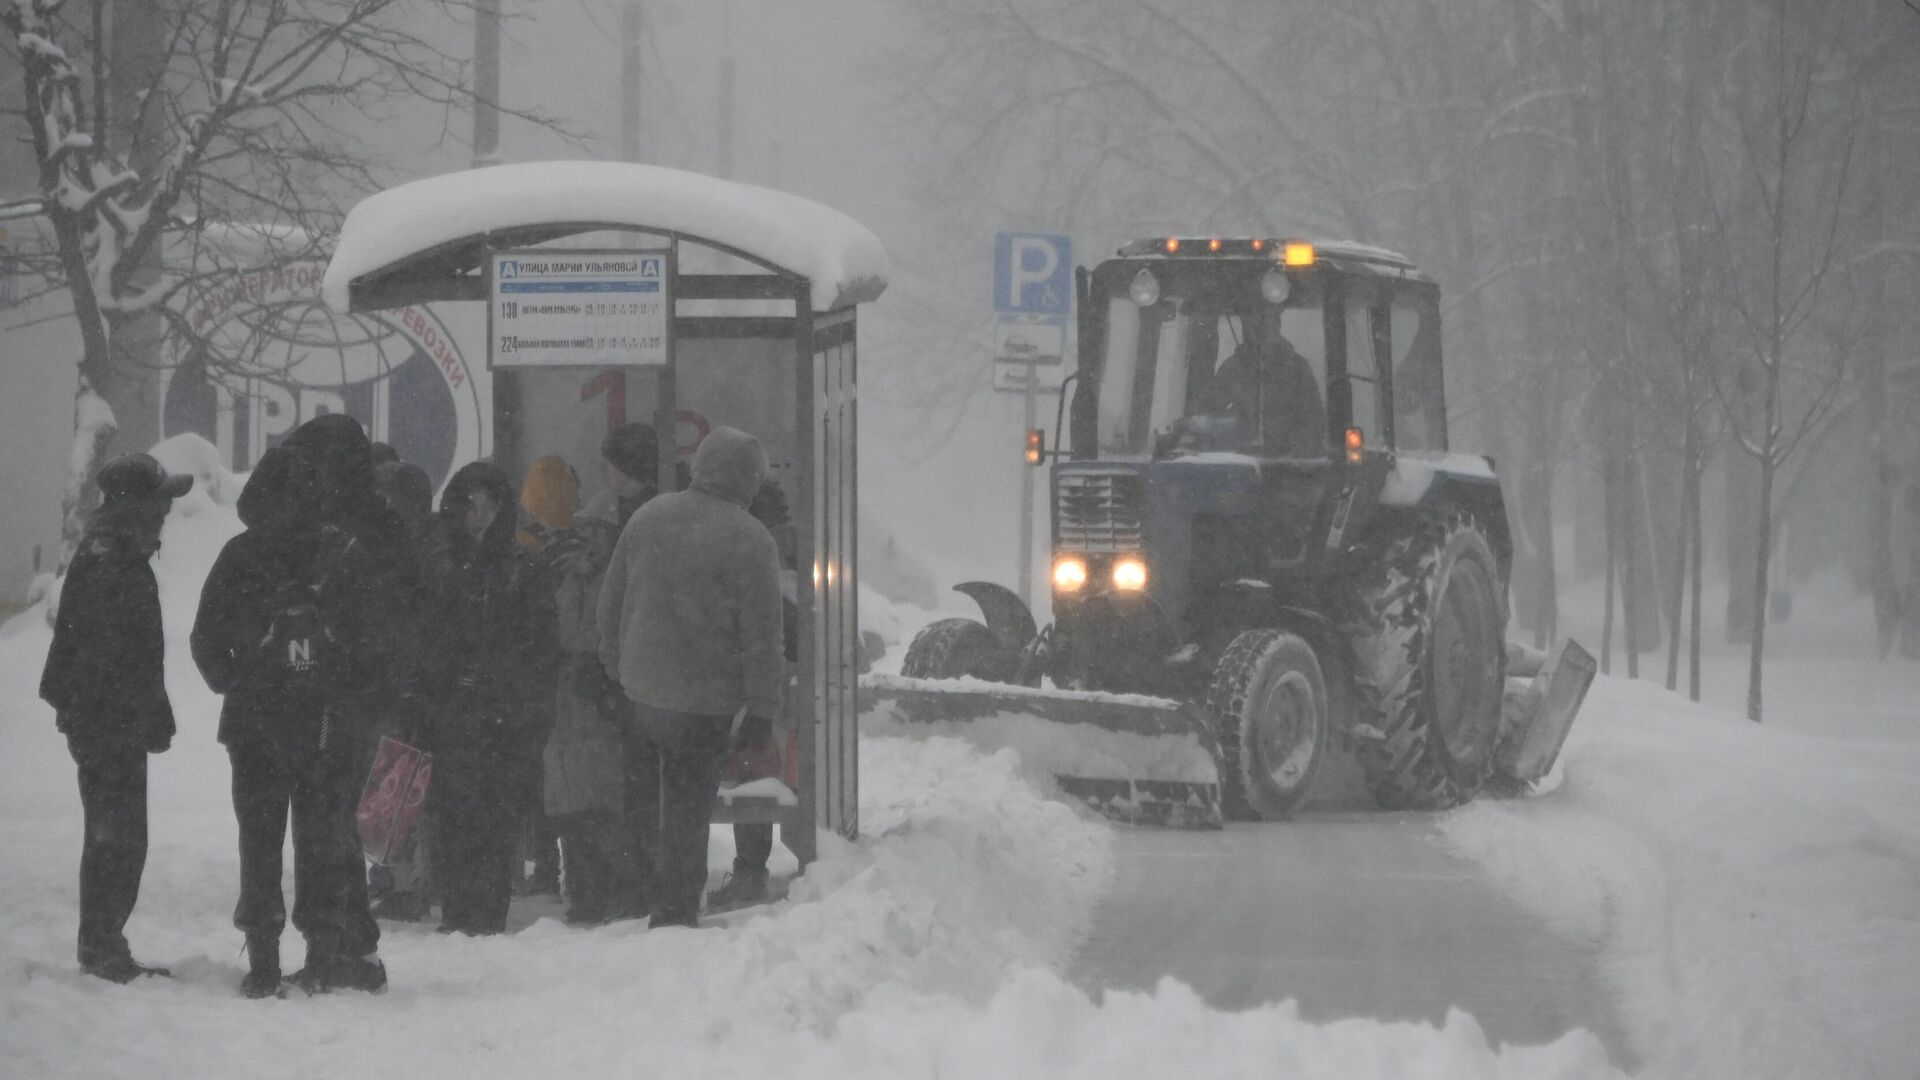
[
  {"x": 1029, "y": 341},
  {"x": 1013, "y": 378},
  {"x": 579, "y": 309}
]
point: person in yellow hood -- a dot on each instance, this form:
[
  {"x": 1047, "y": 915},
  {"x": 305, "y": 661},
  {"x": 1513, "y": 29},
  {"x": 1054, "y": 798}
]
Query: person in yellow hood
[
  {"x": 549, "y": 499},
  {"x": 583, "y": 774},
  {"x": 551, "y": 496}
]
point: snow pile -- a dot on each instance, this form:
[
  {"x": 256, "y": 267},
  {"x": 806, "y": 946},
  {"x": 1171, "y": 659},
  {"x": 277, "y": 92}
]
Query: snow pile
[
  {"x": 845, "y": 262},
  {"x": 213, "y": 484},
  {"x": 1754, "y": 886}
]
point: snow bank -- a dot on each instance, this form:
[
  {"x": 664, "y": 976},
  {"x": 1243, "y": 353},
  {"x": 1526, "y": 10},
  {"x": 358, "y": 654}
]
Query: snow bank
[
  {"x": 213, "y": 483},
  {"x": 844, "y": 261},
  {"x": 1755, "y": 887}
]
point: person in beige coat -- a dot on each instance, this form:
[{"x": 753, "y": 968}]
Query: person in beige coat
[
  {"x": 690, "y": 624},
  {"x": 584, "y": 772}
]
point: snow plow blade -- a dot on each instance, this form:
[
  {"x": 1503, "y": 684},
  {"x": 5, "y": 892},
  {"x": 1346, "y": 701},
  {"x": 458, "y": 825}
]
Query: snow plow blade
[
  {"x": 1139, "y": 760},
  {"x": 1540, "y": 712}
]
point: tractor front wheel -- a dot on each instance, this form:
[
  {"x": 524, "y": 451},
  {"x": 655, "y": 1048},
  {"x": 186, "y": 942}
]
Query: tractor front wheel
[
  {"x": 1268, "y": 703},
  {"x": 1428, "y": 629}
]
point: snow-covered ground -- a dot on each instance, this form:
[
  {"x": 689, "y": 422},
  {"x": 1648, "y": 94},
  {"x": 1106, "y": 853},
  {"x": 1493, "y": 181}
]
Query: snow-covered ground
[
  {"x": 1755, "y": 889},
  {"x": 1758, "y": 886}
]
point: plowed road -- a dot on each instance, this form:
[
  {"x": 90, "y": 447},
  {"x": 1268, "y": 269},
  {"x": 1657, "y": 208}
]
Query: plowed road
[{"x": 1352, "y": 914}]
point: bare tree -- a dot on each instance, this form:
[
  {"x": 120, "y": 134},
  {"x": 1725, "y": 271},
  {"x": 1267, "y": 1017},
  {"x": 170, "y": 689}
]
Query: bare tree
[
  {"x": 1795, "y": 105},
  {"x": 222, "y": 146}
]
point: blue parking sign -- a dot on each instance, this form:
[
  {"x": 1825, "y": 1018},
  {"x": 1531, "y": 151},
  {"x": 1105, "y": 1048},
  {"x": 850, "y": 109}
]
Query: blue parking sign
[{"x": 1032, "y": 274}]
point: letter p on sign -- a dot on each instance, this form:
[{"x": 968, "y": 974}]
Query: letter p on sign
[{"x": 1032, "y": 274}]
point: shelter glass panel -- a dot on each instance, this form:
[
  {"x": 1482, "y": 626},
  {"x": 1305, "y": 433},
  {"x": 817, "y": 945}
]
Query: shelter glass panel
[{"x": 834, "y": 663}]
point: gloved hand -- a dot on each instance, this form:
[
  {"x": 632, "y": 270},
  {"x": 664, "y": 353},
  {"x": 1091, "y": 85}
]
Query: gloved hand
[
  {"x": 755, "y": 735},
  {"x": 159, "y": 741}
]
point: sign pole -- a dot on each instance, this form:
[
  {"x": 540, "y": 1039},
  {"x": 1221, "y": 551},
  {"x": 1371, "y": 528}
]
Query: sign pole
[
  {"x": 1033, "y": 294},
  {"x": 1025, "y": 578}
]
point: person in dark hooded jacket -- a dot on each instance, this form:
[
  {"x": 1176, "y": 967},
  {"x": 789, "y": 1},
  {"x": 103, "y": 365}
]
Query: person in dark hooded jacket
[
  {"x": 375, "y": 596},
  {"x": 272, "y": 635},
  {"x": 104, "y": 678},
  {"x": 494, "y": 667}
]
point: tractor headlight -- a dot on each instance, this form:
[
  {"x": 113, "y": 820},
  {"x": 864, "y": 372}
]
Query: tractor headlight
[
  {"x": 1130, "y": 575},
  {"x": 1145, "y": 288},
  {"x": 1069, "y": 574}
]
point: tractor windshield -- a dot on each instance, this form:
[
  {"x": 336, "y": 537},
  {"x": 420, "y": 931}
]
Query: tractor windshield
[{"x": 1220, "y": 371}]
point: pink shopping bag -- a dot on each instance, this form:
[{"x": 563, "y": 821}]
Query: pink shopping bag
[{"x": 390, "y": 803}]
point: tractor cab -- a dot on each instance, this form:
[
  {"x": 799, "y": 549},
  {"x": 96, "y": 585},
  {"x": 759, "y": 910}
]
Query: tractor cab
[
  {"x": 1282, "y": 350},
  {"x": 1239, "y": 407}
]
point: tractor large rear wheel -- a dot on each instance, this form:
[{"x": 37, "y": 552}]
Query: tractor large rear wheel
[
  {"x": 1268, "y": 703},
  {"x": 957, "y": 648},
  {"x": 1428, "y": 625}
]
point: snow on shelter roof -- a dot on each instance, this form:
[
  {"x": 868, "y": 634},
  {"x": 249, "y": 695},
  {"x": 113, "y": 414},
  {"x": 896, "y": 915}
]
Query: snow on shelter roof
[{"x": 843, "y": 260}]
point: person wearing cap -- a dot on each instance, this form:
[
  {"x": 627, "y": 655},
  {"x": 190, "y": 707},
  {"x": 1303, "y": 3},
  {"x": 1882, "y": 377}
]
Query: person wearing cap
[
  {"x": 630, "y": 461},
  {"x": 749, "y": 882},
  {"x": 690, "y": 623},
  {"x": 105, "y": 679}
]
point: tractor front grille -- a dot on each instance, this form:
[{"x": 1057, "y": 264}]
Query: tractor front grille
[{"x": 1098, "y": 512}]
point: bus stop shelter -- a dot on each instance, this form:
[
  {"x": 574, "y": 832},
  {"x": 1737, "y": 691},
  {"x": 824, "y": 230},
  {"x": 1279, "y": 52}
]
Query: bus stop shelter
[{"x": 620, "y": 292}]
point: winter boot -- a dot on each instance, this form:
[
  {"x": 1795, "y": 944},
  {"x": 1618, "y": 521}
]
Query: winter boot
[
  {"x": 122, "y": 969},
  {"x": 360, "y": 973},
  {"x": 263, "y": 971},
  {"x": 317, "y": 977},
  {"x": 743, "y": 888},
  {"x": 401, "y": 907}
]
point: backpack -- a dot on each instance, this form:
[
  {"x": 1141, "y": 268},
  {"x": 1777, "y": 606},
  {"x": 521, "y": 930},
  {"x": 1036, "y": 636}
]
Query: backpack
[
  {"x": 297, "y": 653},
  {"x": 301, "y": 649}
]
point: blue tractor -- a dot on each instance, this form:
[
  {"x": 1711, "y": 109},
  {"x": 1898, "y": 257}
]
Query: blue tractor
[{"x": 1264, "y": 548}]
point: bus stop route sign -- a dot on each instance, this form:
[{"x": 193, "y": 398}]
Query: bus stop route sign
[
  {"x": 1032, "y": 274},
  {"x": 553, "y": 308}
]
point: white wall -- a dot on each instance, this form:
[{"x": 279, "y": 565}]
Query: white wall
[{"x": 39, "y": 351}]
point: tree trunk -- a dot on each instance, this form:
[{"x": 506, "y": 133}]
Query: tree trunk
[
  {"x": 1695, "y": 469},
  {"x": 93, "y": 428},
  {"x": 1676, "y": 596},
  {"x": 93, "y": 420},
  {"x": 1676, "y": 602},
  {"x": 1763, "y": 556},
  {"x": 1606, "y": 620}
]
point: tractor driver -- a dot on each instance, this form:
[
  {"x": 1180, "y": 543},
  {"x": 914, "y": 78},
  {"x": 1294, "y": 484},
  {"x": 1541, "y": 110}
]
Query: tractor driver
[{"x": 1273, "y": 391}]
